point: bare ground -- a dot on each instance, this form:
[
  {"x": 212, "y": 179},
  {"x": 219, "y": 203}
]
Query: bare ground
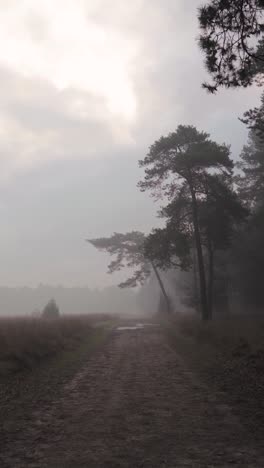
[{"x": 134, "y": 404}]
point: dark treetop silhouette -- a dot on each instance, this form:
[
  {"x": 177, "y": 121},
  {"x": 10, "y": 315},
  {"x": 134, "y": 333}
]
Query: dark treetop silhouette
[{"x": 232, "y": 41}]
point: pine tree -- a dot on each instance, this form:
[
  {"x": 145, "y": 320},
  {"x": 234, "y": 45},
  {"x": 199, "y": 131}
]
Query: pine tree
[
  {"x": 232, "y": 41},
  {"x": 177, "y": 165}
]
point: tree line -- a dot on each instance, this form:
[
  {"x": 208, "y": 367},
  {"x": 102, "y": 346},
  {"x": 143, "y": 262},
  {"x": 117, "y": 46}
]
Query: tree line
[
  {"x": 71, "y": 300},
  {"x": 212, "y": 207}
]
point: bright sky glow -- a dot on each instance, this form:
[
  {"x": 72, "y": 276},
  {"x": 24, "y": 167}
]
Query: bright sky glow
[{"x": 60, "y": 43}]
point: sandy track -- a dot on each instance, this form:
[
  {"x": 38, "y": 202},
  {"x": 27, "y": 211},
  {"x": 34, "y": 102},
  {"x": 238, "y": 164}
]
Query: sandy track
[{"x": 134, "y": 404}]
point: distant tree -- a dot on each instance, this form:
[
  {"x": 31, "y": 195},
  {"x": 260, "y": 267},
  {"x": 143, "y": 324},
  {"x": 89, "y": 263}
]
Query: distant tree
[
  {"x": 220, "y": 214},
  {"x": 251, "y": 165},
  {"x": 176, "y": 165},
  {"x": 128, "y": 250},
  {"x": 254, "y": 119},
  {"x": 232, "y": 40},
  {"x": 51, "y": 310},
  {"x": 247, "y": 258},
  {"x": 248, "y": 248}
]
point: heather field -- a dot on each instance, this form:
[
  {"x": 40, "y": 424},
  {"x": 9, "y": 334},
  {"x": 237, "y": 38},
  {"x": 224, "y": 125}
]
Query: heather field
[{"x": 26, "y": 342}]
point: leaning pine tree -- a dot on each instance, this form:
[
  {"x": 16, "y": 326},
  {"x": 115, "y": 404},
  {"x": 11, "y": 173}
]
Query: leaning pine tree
[
  {"x": 128, "y": 251},
  {"x": 182, "y": 161}
]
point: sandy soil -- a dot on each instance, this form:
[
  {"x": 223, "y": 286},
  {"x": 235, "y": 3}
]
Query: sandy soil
[{"x": 134, "y": 404}]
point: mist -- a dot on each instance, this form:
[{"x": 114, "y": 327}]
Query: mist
[
  {"x": 131, "y": 233},
  {"x": 30, "y": 302}
]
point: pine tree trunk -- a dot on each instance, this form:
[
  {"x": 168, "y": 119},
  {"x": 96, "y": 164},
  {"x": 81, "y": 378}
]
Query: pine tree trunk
[
  {"x": 162, "y": 288},
  {"x": 203, "y": 294},
  {"x": 195, "y": 283},
  {"x": 210, "y": 280}
]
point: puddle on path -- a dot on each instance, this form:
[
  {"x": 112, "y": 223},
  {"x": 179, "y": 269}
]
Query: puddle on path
[{"x": 137, "y": 326}]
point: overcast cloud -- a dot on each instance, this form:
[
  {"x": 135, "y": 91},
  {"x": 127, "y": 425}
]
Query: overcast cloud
[{"x": 85, "y": 87}]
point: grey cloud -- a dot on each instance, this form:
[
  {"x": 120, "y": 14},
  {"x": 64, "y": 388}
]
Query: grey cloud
[{"x": 46, "y": 123}]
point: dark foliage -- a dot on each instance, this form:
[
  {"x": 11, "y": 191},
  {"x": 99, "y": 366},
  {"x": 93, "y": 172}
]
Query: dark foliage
[
  {"x": 128, "y": 250},
  {"x": 254, "y": 119},
  {"x": 248, "y": 260},
  {"x": 168, "y": 247},
  {"x": 251, "y": 179},
  {"x": 232, "y": 41},
  {"x": 187, "y": 167}
]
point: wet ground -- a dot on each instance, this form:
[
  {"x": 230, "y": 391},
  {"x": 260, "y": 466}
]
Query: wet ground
[{"x": 134, "y": 404}]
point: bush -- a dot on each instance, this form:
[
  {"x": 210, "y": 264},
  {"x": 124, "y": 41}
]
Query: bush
[{"x": 51, "y": 310}]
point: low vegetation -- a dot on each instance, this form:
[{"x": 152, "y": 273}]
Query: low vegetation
[
  {"x": 229, "y": 355},
  {"x": 25, "y": 342}
]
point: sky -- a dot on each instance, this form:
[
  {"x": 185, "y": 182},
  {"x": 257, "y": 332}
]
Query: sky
[{"x": 86, "y": 86}]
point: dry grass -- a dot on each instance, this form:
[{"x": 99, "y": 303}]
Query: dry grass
[
  {"x": 229, "y": 355},
  {"x": 228, "y": 333},
  {"x": 24, "y": 342}
]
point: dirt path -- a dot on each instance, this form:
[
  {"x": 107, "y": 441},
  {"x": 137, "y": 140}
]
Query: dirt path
[{"x": 134, "y": 404}]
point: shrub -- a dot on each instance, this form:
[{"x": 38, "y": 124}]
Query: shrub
[{"x": 51, "y": 310}]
